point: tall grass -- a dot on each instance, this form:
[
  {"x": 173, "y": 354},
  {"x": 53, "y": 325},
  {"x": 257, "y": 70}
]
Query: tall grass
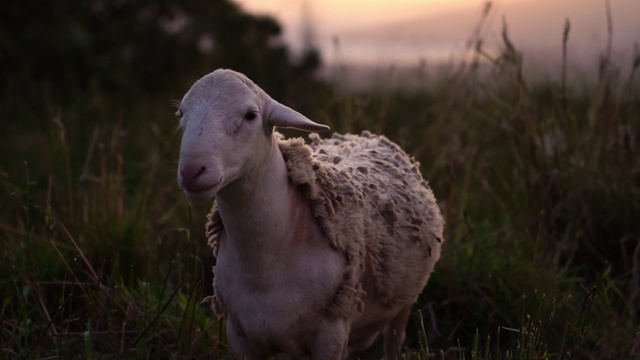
[
  {"x": 102, "y": 257},
  {"x": 98, "y": 256}
]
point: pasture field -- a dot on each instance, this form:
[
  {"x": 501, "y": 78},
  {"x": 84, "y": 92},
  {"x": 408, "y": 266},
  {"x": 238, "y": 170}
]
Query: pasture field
[{"x": 102, "y": 257}]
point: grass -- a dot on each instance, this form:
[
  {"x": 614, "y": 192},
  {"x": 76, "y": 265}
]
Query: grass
[{"x": 102, "y": 257}]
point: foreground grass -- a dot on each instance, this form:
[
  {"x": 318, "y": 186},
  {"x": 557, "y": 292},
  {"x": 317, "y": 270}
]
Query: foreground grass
[
  {"x": 102, "y": 257},
  {"x": 96, "y": 262}
]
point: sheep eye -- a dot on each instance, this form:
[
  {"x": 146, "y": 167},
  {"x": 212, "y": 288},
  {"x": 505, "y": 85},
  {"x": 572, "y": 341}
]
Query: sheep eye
[
  {"x": 250, "y": 115},
  {"x": 178, "y": 113}
]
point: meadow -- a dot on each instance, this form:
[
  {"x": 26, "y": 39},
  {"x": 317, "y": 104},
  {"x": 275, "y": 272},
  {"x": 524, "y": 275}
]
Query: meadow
[{"x": 103, "y": 257}]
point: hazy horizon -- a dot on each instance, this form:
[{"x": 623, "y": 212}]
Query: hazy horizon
[{"x": 408, "y": 32}]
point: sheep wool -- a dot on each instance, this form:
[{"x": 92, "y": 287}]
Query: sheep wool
[{"x": 374, "y": 207}]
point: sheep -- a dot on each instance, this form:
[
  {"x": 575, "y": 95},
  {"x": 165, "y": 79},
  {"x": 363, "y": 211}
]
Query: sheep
[{"x": 320, "y": 248}]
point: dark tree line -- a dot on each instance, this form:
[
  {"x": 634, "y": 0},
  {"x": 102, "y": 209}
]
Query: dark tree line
[{"x": 128, "y": 47}]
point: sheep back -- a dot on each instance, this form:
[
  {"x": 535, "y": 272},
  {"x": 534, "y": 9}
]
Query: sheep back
[{"x": 373, "y": 206}]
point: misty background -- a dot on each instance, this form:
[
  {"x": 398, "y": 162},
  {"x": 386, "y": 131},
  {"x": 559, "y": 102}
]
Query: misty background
[
  {"x": 127, "y": 47},
  {"x": 409, "y": 32}
]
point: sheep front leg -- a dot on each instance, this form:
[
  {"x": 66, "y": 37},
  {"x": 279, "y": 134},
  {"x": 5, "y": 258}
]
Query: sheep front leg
[
  {"x": 331, "y": 341},
  {"x": 239, "y": 345},
  {"x": 395, "y": 333}
]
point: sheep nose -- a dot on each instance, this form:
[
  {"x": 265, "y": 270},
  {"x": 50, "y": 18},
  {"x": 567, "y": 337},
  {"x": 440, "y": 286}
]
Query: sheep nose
[{"x": 190, "y": 174}]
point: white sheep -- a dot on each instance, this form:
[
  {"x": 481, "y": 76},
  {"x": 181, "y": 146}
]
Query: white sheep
[{"x": 319, "y": 248}]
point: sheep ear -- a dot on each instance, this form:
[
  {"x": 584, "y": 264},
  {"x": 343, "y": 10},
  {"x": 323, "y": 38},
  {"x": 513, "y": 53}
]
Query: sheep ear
[{"x": 285, "y": 117}]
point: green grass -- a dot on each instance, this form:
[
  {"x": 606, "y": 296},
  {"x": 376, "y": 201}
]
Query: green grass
[{"x": 102, "y": 256}]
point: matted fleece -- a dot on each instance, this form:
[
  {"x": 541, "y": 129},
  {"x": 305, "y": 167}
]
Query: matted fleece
[{"x": 373, "y": 206}]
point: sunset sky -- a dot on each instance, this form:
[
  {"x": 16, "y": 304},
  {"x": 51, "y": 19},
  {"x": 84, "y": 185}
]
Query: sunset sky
[
  {"x": 405, "y": 31},
  {"x": 344, "y": 15},
  {"x": 352, "y": 13}
]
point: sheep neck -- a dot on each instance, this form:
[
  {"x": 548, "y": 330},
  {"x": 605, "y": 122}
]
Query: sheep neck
[{"x": 257, "y": 212}]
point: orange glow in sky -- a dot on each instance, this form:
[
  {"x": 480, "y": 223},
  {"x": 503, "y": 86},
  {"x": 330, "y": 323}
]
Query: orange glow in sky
[
  {"x": 345, "y": 14},
  {"x": 337, "y": 18}
]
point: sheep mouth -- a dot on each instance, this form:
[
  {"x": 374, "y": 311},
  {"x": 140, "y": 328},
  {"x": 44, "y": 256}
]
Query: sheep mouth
[{"x": 202, "y": 192}]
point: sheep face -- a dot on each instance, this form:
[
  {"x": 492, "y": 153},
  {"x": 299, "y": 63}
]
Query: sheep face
[{"x": 227, "y": 123}]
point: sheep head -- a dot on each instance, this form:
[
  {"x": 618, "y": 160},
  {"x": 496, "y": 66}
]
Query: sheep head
[{"x": 227, "y": 123}]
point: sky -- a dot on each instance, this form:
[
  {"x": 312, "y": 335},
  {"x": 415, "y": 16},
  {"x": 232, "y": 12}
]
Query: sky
[
  {"x": 345, "y": 14},
  {"x": 409, "y": 31},
  {"x": 334, "y": 17}
]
